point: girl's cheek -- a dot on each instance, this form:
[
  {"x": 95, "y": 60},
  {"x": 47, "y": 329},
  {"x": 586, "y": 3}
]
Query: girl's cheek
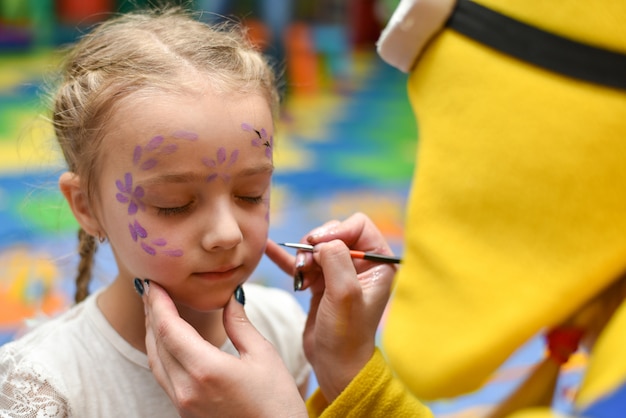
[{"x": 152, "y": 241}]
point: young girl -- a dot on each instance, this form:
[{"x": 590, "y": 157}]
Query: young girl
[{"x": 166, "y": 125}]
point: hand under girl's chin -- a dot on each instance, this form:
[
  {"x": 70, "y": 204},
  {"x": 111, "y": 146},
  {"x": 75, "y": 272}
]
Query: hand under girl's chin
[{"x": 202, "y": 302}]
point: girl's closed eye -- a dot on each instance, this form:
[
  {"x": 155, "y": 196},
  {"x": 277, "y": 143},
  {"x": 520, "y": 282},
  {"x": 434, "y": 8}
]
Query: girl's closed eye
[
  {"x": 177, "y": 210},
  {"x": 251, "y": 199}
]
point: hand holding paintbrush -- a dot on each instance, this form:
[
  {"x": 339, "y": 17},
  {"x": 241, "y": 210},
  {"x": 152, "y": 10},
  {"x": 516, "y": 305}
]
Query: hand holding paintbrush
[
  {"x": 380, "y": 258},
  {"x": 347, "y": 298}
]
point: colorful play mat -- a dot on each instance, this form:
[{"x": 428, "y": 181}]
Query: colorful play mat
[{"x": 340, "y": 148}]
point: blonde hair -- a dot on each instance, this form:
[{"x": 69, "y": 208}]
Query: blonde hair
[{"x": 144, "y": 51}]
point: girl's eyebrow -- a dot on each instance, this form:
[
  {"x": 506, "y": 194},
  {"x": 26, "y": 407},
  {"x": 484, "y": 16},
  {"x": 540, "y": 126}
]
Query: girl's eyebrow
[
  {"x": 193, "y": 176},
  {"x": 252, "y": 171},
  {"x": 182, "y": 177}
]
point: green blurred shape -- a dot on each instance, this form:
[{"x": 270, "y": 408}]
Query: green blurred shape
[{"x": 47, "y": 212}]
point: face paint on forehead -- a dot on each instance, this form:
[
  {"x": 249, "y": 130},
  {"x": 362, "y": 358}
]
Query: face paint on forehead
[
  {"x": 190, "y": 136},
  {"x": 262, "y": 139},
  {"x": 146, "y": 157},
  {"x": 220, "y": 162}
]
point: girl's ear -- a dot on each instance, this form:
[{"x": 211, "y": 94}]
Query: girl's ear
[{"x": 69, "y": 183}]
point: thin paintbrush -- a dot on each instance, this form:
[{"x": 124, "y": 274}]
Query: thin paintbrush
[{"x": 354, "y": 253}]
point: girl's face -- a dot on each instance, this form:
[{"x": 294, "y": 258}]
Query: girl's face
[{"x": 184, "y": 192}]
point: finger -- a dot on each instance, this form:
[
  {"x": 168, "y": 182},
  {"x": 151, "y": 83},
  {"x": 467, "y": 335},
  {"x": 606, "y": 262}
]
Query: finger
[
  {"x": 340, "y": 276},
  {"x": 157, "y": 362},
  {"x": 280, "y": 257},
  {"x": 358, "y": 232},
  {"x": 160, "y": 362},
  {"x": 244, "y": 336},
  {"x": 174, "y": 338},
  {"x": 324, "y": 230}
]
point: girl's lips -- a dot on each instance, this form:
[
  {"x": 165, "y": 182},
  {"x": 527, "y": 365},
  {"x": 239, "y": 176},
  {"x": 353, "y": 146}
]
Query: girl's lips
[{"x": 220, "y": 274}]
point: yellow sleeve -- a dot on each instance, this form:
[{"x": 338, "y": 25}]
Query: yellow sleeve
[
  {"x": 374, "y": 392},
  {"x": 537, "y": 413}
]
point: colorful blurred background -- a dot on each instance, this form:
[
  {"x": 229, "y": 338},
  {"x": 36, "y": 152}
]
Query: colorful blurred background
[{"x": 345, "y": 139}]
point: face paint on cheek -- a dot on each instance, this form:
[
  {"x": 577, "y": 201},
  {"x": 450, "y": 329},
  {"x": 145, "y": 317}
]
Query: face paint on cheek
[
  {"x": 137, "y": 231},
  {"x": 140, "y": 235},
  {"x": 219, "y": 163}
]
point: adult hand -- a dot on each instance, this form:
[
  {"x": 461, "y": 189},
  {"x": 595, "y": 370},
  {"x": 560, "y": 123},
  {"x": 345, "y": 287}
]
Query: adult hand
[
  {"x": 348, "y": 297},
  {"x": 203, "y": 381}
]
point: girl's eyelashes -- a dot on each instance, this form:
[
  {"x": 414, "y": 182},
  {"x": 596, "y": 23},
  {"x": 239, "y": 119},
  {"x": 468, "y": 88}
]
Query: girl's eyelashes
[
  {"x": 251, "y": 199},
  {"x": 179, "y": 210}
]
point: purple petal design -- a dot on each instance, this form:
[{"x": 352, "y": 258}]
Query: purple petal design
[
  {"x": 154, "y": 143},
  {"x": 148, "y": 164},
  {"x": 121, "y": 198},
  {"x": 221, "y": 155},
  {"x": 268, "y": 152},
  {"x": 141, "y": 232},
  {"x": 138, "y": 193},
  {"x": 211, "y": 177},
  {"x": 173, "y": 253},
  {"x": 226, "y": 177},
  {"x": 208, "y": 162},
  {"x": 159, "y": 242},
  {"x": 136, "y": 155},
  {"x": 263, "y": 133},
  {"x": 128, "y": 183},
  {"x": 132, "y": 207},
  {"x": 126, "y": 186},
  {"x": 148, "y": 248},
  {"x": 247, "y": 127},
  {"x": 133, "y": 233},
  {"x": 256, "y": 142},
  {"x": 233, "y": 157}
]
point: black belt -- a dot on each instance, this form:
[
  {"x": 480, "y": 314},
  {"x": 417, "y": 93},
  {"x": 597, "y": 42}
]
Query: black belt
[{"x": 547, "y": 50}]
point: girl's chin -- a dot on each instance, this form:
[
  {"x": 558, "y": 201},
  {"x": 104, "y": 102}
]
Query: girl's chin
[{"x": 203, "y": 304}]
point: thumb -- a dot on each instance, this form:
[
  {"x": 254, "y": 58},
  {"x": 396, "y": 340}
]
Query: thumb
[{"x": 239, "y": 329}]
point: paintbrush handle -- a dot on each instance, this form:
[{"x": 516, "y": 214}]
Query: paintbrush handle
[{"x": 380, "y": 258}]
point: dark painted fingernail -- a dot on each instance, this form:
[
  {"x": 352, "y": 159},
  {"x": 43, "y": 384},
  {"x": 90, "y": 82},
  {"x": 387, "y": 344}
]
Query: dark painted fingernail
[
  {"x": 300, "y": 260},
  {"x": 139, "y": 286},
  {"x": 298, "y": 279},
  {"x": 239, "y": 295}
]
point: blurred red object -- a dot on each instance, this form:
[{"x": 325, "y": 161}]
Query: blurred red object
[{"x": 83, "y": 11}]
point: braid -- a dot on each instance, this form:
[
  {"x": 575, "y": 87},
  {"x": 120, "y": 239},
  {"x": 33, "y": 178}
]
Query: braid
[{"x": 86, "y": 249}]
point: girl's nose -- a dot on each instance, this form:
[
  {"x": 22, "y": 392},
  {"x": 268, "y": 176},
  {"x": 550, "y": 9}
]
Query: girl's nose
[{"x": 222, "y": 230}]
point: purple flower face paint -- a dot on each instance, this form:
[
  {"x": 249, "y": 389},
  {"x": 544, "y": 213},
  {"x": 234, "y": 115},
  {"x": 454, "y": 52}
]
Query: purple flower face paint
[
  {"x": 197, "y": 239},
  {"x": 140, "y": 235},
  {"x": 262, "y": 139},
  {"x": 146, "y": 158},
  {"x": 137, "y": 231},
  {"x": 220, "y": 163},
  {"x": 128, "y": 195}
]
